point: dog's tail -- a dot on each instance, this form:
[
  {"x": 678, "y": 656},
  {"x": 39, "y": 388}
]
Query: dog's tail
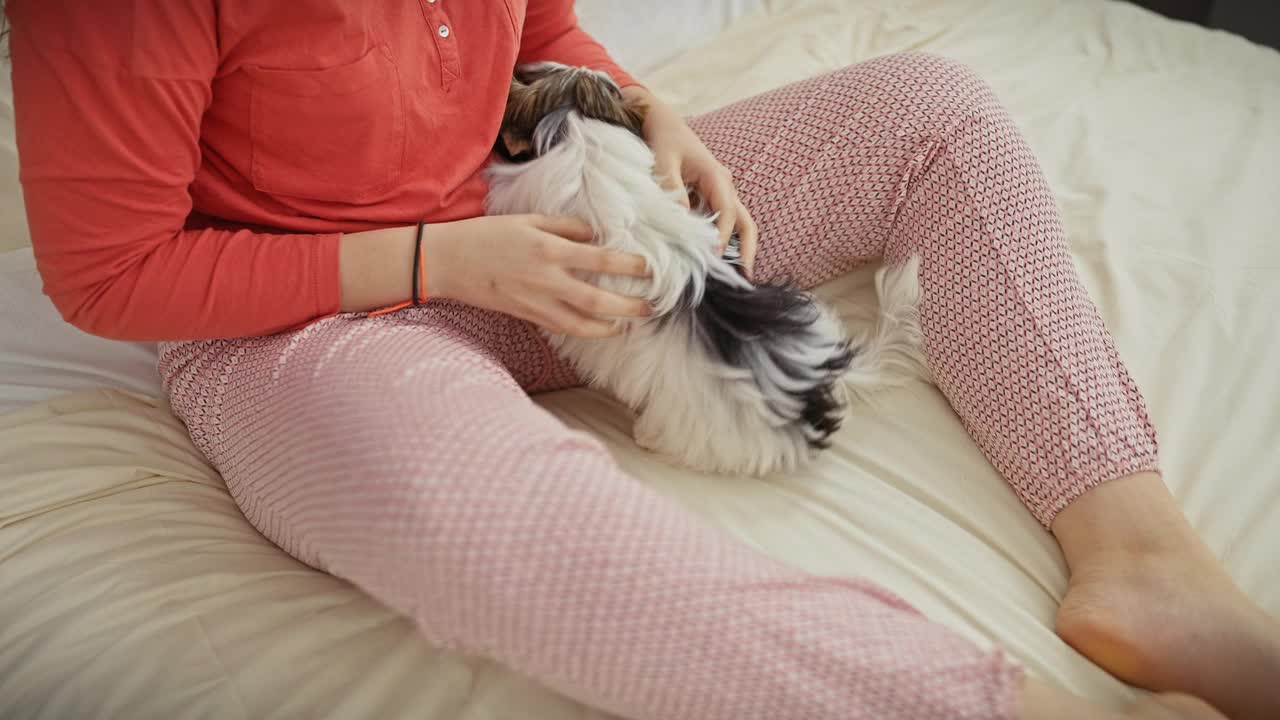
[
  {"x": 780, "y": 342},
  {"x": 891, "y": 354},
  {"x": 791, "y": 349}
]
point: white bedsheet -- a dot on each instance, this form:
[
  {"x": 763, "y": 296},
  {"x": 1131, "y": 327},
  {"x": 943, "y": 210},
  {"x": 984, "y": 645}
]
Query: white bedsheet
[
  {"x": 13, "y": 221},
  {"x": 42, "y": 357},
  {"x": 130, "y": 587},
  {"x": 641, "y": 41}
]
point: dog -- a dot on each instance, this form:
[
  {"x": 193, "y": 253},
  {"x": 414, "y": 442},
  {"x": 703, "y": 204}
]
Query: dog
[{"x": 726, "y": 376}]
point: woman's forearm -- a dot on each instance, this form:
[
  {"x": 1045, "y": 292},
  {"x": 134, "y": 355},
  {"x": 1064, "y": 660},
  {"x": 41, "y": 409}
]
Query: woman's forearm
[{"x": 376, "y": 268}]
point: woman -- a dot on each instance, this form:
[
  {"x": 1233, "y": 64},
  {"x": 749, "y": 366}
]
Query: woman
[{"x": 243, "y": 182}]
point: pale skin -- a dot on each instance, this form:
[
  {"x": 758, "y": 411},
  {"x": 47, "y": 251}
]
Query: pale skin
[{"x": 1147, "y": 600}]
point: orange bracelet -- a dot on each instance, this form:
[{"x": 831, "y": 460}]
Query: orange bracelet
[{"x": 419, "y": 283}]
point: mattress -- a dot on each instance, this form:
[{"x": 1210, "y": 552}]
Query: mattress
[{"x": 131, "y": 587}]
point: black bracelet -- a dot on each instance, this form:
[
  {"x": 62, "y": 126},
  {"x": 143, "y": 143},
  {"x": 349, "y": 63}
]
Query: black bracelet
[{"x": 417, "y": 267}]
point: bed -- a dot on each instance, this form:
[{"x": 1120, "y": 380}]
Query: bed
[{"x": 131, "y": 587}]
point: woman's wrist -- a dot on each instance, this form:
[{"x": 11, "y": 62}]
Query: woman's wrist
[
  {"x": 638, "y": 92},
  {"x": 655, "y": 109},
  {"x": 376, "y": 267}
]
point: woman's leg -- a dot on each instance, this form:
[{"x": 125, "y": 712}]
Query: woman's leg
[
  {"x": 913, "y": 155},
  {"x": 1150, "y": 601},
  {"x": 401, "y": 454}
]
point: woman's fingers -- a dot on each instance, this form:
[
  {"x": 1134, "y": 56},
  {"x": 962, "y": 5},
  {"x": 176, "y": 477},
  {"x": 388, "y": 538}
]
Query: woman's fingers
[
  {"x": 564, "y": 319},
  {"x": 733, "y": 215},
  {"x": 725, "y": 222},
  {"x": 595, "y": 302},
  {"x": 748, "y": 240},
  {"x": 582, "y": 256},
  {"x": 608, "y": 262},
  {"x": 667, "y": 169},
  {"x": 569, "y": 228},
  {"x": 724, "y": 200}
]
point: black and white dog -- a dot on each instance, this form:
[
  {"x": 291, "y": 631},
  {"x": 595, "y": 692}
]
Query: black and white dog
[{"x": 726, "y": 376}]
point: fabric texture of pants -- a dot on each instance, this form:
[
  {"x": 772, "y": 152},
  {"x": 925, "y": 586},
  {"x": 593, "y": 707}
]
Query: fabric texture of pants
[{"x": 403, "y": 454}]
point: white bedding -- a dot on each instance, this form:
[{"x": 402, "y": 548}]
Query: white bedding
[
  {"x": 13, "y": 224},
  {"x": 130, "y": 587},
  {"x": 42, "y": 357},
  {"x": 641, "y": 41}
]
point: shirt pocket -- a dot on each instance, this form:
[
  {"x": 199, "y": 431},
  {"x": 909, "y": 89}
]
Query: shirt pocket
[{"x": 335, "y": 134}]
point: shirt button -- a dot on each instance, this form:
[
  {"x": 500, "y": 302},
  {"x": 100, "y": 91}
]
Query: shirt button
[
  {"x": 433, "y": 2},
  {"x": 444, "y": 31}
]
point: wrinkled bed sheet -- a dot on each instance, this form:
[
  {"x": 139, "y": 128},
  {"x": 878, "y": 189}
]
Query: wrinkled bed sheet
[{"x": 131, "y": 587}]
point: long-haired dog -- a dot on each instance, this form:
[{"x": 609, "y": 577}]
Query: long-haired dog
[{"x": 725, "y": 376}]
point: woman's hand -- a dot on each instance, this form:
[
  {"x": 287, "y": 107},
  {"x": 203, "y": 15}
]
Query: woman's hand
[
  {"x": 683, "y": 161},
  {"x": 523, "y": 265}
]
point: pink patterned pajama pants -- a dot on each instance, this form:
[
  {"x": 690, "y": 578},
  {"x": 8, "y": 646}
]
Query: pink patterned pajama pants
[{"x": 403, "y": 454}]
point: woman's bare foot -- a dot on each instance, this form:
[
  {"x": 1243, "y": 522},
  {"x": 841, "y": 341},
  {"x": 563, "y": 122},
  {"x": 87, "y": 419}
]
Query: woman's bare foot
[
  {"x": 1173, "y": 622},
  {"x": 1150, "y": 603}
]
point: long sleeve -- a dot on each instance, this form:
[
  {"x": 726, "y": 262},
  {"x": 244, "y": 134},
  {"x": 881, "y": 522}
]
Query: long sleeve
[
  {"x": 551, "y": 32},
  {"x": 109, "y": 101}
]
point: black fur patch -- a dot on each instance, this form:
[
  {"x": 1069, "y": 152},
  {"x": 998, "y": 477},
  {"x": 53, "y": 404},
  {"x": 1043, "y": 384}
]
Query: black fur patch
[{"x": 730, "y": 319}]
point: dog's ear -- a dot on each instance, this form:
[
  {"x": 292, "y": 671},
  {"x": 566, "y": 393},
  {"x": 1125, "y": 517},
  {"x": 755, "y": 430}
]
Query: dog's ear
[
  {"x": 519, "y": 119},
  {"x": 596, "y": 96},
  {"x": 551, "y": 130},
  {"x": 521, "y": 114}
]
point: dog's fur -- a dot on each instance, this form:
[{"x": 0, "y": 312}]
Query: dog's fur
[{"x": 727, "y": 376}]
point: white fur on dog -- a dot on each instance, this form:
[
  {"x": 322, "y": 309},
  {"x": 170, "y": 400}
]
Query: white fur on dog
[{"x": 689, "y": 405}]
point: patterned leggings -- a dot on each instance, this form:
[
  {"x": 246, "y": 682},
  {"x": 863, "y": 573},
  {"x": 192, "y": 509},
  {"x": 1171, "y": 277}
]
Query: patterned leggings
[{"x": 403, "y": 454}]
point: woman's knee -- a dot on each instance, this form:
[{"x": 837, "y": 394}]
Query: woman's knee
[
  {"x": 933, "y": 87},
  {"x": 915, "y": 64}
]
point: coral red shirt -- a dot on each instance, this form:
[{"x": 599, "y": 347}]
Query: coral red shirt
[{"x": 189, "y": 165}]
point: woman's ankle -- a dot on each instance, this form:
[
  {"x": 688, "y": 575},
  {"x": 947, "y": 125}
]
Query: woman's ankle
[{"x": 1135, "y": 514}]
